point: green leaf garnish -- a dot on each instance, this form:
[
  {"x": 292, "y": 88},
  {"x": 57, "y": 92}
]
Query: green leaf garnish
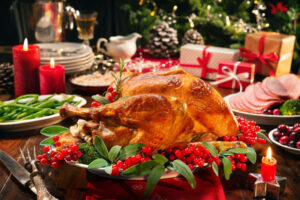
[
  {"x": 101, "y": 147},
  {"x": 160, "y": 159},
  {"x": 47, "y": 142},
  {"x": 140, "y": 169},
  {"x": 130, "y": 150},
  {"x": 185, "y": 171},
  {"x": 239, "y": 150},
  {"x": 114, "y": 153},
  {"x": 251, "y": 155},
  {"x": 153, "y": 179},
  {"x": 99, "y": 162},
  {"x": 101, "y": 99},
  {"x": 227, "y": 153},
  {"x": 227, "y": 167},
  {"x": 215, "y": 168},
  {"x": 53, "y": 130},
  {"x": 108, "y": 169},
  {"x": 213, "y": 151}
]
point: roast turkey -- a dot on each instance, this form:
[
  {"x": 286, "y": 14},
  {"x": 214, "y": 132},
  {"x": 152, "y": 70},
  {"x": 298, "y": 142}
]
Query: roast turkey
[{"x": 162, "y": 110}]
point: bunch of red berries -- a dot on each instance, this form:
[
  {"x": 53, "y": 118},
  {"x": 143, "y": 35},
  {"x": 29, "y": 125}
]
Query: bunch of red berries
[
  {"x": 238, "y": 161},
  {"x": 249, "y": 131},
  {"x": 112, "y": 94},
  {"x": 131, "y": 161},
  {"x": 56, "y": 159},
  {"x": 192, "y": 155}
]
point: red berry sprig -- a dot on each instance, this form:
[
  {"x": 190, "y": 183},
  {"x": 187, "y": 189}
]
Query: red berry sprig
[
  {"x": 112, "y": 96},
  {"x": 238, "y": 162}
]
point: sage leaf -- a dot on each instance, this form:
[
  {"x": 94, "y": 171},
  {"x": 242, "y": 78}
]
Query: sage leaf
[
  {"x": 227, "y": 167},
  {"x": 140, "y": 169},
  {"x": 108, "y": 169},
  {"x": 130, "y": 150},
  {"x": 185, "y": 171},
  {"x": 101, "y": 147},
  {"x": 153, "y": 179},
  {"x": 251, "y": 155},
  {"x": 226, "y": 153},
  {"x": 99, "y": 162},
  {"x": 114, "y": 153},
  {"x": 53, "y": 130},
  {"x": 213, "y": 151},
  {"x": 47, "y": 142},
  {"x": 101, "y": 99},
  {"x": 160, "y": 159},
  {"x": 215, "y": 168},
  {"x": 239, "y": 150},
  {"x": 261, "y": 135}
]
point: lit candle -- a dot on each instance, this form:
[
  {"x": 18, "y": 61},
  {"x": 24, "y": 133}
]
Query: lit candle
[
  {"x": 26, "y": 59},
  {"x": 268, "y": 167},
  {"x": 52, "y": 78}
]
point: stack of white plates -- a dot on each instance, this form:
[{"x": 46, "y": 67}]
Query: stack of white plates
[{"x": 75, "y": 57}]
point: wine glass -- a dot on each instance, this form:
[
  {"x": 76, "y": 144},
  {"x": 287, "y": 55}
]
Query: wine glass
[{"x": 85, "y": 21}]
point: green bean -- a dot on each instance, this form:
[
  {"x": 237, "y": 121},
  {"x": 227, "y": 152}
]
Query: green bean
[
  {"x": 42, "y": 101},
  {"x": 40, "y": 113},
  {"x": 47, "y": 104},
  {"x": 23, "y": 106},
  {"x": 34, "y": 96}
]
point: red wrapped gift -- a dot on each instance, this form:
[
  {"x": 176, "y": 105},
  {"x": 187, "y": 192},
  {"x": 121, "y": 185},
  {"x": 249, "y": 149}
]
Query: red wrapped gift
[
  {"x": 232, "y": 74},
  {"x": 208, "y": 187}
]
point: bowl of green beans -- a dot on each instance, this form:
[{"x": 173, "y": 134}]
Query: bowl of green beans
[{"x": 34, "y": 111}]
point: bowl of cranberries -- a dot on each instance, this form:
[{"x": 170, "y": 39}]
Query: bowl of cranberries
[{"x": 287, "y": 137}]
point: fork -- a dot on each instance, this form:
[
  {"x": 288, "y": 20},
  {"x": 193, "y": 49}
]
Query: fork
[{"x": 35, "y": 175}]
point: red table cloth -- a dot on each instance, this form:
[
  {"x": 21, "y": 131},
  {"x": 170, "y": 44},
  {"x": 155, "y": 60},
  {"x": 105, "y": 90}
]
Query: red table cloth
[{"x": 208, "y": 187}]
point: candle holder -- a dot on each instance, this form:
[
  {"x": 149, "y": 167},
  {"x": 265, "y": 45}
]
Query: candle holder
[{"x": 266, "y": 190}]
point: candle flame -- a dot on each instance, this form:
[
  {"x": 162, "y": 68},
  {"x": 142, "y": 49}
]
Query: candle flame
[
  {"x": 269, "y": 153},
  {"x": 52, "y": 64},
  {"x": 25, "y": 45}
]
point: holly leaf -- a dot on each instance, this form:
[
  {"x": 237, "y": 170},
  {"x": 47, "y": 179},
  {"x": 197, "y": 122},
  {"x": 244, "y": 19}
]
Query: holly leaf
[
  {"x": 185, "y": 171},
  {"x": 153, "y": 179},
  {"x": 261, "y": 135},
  {"x": 47, "y": 142},
  {"x": 213, "y": 151},
  {"x": 251, "y": 155},
  {"x": 101, "y": 99},
  {"x": 160, "y": 159},
  {"x": 130, "y": 150},
  {"x": 99, "y": 162},
  {"x": 53, "y": 130},
  {"x": 239, "y": 150},
  {"x": 101, "y": 147},
  {"x": 215, "y": 168},
  {"x": 114, "y": 153},
  {"x": 227, "y": 167},
  {"x": 140, "y": 169}
]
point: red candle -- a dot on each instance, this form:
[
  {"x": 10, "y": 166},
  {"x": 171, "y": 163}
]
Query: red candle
[
  {"x": 268, "y": 167},
  {"x": 26, "y": 59},
  {"x": 52, "y": 78}
]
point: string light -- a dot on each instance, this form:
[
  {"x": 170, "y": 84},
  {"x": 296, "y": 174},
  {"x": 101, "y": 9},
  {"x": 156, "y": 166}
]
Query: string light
[
  {"x": 175, "y": 7},
  {"x": 208, "y": 10},
  {"x": 141, "y": 2}
]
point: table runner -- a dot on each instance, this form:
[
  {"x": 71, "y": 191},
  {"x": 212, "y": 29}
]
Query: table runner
[{"x": 208, "y": 187}]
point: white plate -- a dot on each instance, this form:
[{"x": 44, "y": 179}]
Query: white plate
[
  {"x": 82, "y": 50},
  {"x": 285, "y": 147},
  {"x": 76, "y": 64},
  {"x": 66, "y": 62},
  {"x": 30, "y": 124},
  {"x": 102, "y": 173},
  {"x": 264, "y": 119}
]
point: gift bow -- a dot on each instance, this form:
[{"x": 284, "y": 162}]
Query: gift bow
[
  {"x": 229, "y": 74},
  {"x": 259, "y": 57},
  {"x": 203, "y": 61}
]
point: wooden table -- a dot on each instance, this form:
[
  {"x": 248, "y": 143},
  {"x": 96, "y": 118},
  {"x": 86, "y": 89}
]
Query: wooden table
[{"x": 72, "y": 181}]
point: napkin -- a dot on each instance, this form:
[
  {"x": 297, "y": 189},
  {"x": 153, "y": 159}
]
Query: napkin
[{"x": 208, "y": 187}]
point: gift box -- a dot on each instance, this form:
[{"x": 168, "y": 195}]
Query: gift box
[
  {"x": 234, "y": 74},
  {"x": 272, "y": 52},
  {"x": 203, "y": 61}
]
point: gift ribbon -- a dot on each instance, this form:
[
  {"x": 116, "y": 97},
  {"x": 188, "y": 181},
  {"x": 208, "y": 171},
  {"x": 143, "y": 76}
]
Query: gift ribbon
[
  {"x": 202, "y": 63},
  {"x": 229, "y": 74},
  {"x": 259, "y": 57}
]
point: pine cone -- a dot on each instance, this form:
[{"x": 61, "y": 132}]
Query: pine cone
[
  {"x": 6, "y": 77},
  {"x": 163, "y": 41},
  {"x": 192, "y": 36}
]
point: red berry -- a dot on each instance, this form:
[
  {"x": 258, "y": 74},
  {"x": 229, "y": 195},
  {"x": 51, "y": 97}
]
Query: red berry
[
  {"x": 237, "y": 156},
  {"x": 238, "y": 165},
  {"x": 178, "y": 153},
  {"x": 44, "y": 161},
  {"x": 243, "y": 159},
  {"x": 296, "y": 126},
  {"x": 276, "y": 111},
  {"x": 60, "y": 156},
  {"x": 172, "y": 157},
  {"x": 243, "y": 167},
  {"x": 64, "y": 152},
  {"x": 233, "y": 138},
  {"x": 127, "y": 161},
  {"x": 169, "y": 150},
  {"x": 284, "y": 129},
  {"x": 74, "y": 157},
  {"x": 284, "y": 140},
  {"x": 261, "y": 140},
  {"x": 115, "y": 171},
  {"x": 114, "y": 93},
  {"x": 134, "y": 160},
  {"x": 233, "y": 167},
  {"x": 120, "y": 163},
  {"x": 54, "y": 165},
  {"x": 298, "y": 145},
  {"x": 110, "y": 98},
  {"x": 110, "y": 89},
  {"x": 96, "y": 104},
  {"x": 74, "y": 148},
  {"x": 297, "y": 129},
  {"x": 68, "y": 158},
  {"x": 39, "y": 157},
  {"x": 79, "y": 154},
  {"x": 52, "y": 153},
  {"x": 55, "y": 138},
  {"x": 138, "y": 157},
  {"x": 58, "y": 144},
  {"x": 46, "y": 148},
  {"x": 191, "y": 166},
  {"x": 53, "y": 159},
  {"x": 226, "y": 138},
  {"x": 45, "y": 156},
  {"x": 277, "y": 135}
]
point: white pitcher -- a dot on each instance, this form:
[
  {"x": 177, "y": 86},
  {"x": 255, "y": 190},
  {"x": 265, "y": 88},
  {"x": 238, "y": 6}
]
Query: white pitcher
[{"x": 119, "y": 46}]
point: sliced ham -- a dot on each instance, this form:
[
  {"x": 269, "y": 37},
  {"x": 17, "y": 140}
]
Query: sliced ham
[
  {"x": 292, "y": 83},
  {"x": 275, "y": 87},
  {"x": 260, "y": 94}
]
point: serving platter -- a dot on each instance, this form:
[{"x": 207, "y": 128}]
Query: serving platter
[
  {"x": 101, "y": 172},
  {"x": 264, "y": 119},
  {"x": 285, "y": 147},
  {"x": 30, "y": 124}
]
